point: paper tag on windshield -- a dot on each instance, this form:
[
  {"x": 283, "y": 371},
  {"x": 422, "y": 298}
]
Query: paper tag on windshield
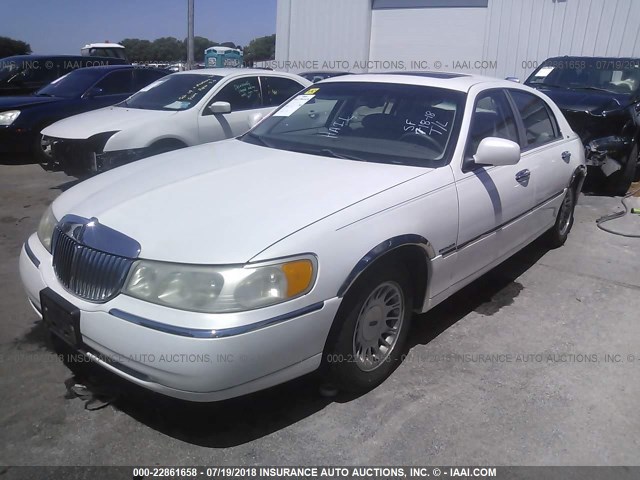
[
  {"x": 293, "y": 106},
  {"x": 544, "y": 71}
]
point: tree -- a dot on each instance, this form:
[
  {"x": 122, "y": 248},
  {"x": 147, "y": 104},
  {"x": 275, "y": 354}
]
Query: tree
[
  {"x": 168, "y": 49},
  {"x": 10, "y": 47},
  {"x": 200, "y": 44},
  {"x": 138, "y": 50},
  {"x": 259, "y": 49}
]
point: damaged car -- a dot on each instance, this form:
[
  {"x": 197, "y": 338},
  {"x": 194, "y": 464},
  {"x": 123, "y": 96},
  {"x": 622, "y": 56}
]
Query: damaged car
[
  {"x": 600, "y": 97},
  {"x": 180, "y": 110}
]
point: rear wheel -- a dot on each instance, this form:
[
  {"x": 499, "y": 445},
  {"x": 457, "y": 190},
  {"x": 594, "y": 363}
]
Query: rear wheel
[
  {"x": 558, "y": 234},
  {"x": 372, "y": 326}
]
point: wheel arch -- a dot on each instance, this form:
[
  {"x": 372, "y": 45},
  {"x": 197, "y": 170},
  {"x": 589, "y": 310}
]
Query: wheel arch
[
  {"x": 577, "y": 179},
  {"x": 414, "y": 251},
  {"x": 168, "y": 140}
]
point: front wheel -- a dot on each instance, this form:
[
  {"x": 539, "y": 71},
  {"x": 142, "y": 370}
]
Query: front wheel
[
  {"x": 373, "y": 323},
  {"x": 42, "y": 151}
]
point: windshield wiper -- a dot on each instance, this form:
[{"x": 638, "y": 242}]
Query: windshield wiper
[
  {"x": 542, "y": 84},
  {"x": 260, "y": 140},
  {"x": 327, "y": 152},
  {"x": 598, "y": 89}
]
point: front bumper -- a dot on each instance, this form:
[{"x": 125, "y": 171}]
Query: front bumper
[
  {"x": 86, "y": 157},
  {"x": 150, "y": 345},
  {"x": 16, "y": 139},
  {"x": 609, "y": 153}
]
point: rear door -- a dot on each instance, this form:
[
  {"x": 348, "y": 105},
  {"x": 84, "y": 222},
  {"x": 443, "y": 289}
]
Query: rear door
[{"x": 546, "y": 153}]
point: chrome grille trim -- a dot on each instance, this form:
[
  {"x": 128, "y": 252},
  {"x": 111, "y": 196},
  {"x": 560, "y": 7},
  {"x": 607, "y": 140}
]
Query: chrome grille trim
[{"x": 86, "y": 272}]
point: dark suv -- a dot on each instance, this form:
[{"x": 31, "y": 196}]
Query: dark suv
[
  {"x": 24, "y": 74},
  {"x": 600, "y": 97}
]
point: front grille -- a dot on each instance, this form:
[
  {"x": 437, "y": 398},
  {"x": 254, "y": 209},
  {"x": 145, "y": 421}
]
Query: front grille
[
  {"x": 74, "y": 156},
  {"x": 90, "y": 274}
]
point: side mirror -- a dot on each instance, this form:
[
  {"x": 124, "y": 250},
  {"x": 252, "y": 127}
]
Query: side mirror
[
  {"x": 255, "y": 119},
  {"x": 94, "y": 92},
  {"x": 220, "y": 107},
  {"x": 513, "y": 79},
  {"x": 497, "y": 151}
]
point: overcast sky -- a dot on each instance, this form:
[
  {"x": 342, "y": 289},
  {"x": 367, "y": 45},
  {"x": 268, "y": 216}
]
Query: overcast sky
[{"x": 64, "y": 26}]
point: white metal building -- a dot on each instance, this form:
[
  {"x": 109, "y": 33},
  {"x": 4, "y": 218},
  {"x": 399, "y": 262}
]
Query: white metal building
[{"x": 493, "y": 37}]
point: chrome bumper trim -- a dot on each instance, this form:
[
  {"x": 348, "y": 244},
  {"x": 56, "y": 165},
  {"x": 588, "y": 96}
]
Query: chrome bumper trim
[{"x": 220, "y": 333}]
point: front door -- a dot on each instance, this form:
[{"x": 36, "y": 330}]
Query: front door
[
  {"x": 245, "y": 98},
  {"x": 493, "y": 200}
]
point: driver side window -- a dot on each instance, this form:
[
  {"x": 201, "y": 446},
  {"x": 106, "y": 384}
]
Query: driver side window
[
  {"x": 492, "y": 117},
  {"x": 242, "y": 94}
]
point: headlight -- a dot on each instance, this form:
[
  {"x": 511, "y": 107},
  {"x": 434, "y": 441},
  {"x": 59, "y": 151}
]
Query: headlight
[
  {"x": 8, "y": 117},
  {"x": 221, "y": 289},
  {"x": 45, "y": 228}
]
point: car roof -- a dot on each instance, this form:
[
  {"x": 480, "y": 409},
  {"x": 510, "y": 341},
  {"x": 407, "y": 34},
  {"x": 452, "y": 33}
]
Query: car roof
[
  {"x": 577, "y": 57},
  {"x": 229, "y": 72},
  {"x": 323, "y": 72},
  {"x": 461, "y": 82}
]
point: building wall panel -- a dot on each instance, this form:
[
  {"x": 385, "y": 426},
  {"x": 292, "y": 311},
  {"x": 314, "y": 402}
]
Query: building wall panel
[{"x": 510, "y": 36}]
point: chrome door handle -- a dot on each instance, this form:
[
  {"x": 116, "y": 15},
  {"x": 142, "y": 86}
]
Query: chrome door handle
[
  {"x": 566, "y": 156},
  {"x": 523, "y": 175}
]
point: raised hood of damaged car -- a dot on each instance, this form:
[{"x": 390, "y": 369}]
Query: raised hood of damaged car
[
  {"x": 593, "y": 114},
  {"x": 593, "y": 102}
]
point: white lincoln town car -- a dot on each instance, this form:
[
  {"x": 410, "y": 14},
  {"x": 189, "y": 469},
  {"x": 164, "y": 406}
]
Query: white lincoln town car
[{"x": 225, "y": 268}]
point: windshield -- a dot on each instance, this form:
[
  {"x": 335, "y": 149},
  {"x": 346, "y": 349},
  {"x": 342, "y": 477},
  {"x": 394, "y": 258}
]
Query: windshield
[
  {"x": 173, "y": 92},
  {"x": 609, "y": 75},
  {"x": 73, "y": 84},
  {"x": 375, "y": 122},
  {"x": 10, "y": 67}
]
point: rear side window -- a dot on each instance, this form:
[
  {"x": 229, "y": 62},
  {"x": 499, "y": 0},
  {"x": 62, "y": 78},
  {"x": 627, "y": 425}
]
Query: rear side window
[
  {"x": 277, "y": 90},
  {"x": 540, "y": 126},
  {"x": 492, "y": 117},
  {"x": 115, "y": 83},
  {"x": 142, "y": 78}
]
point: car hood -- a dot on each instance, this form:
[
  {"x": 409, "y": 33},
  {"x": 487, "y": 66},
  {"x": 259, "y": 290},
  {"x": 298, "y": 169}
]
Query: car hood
[
  {"x": 591, "y": 101},
  {"x": 225, "y": 202},
  {"x": 107, "y": 119},
  {"x": 9, "y": 103}
]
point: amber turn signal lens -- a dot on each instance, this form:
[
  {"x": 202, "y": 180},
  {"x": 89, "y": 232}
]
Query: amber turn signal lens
[{"x": 299, "y": 276}]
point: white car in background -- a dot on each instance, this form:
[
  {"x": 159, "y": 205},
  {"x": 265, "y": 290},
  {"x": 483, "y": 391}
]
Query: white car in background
[
  {"x": 180, "y": 110},
  {"x": 309, "y": 241}
]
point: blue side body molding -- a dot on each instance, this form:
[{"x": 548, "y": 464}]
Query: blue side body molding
[
  {"x": 207, "y": 333},
  {"x": 30, "y": 254},
  {"x": 381, "y": 249}
]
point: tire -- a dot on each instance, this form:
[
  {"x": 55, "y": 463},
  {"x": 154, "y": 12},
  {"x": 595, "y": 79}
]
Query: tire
[
  {"x": 356, "y": 358},
  {"x": 164, "y": 146},
  {"x": 42, "y": 154},
  {"x": 558, "y": 234},
  {"x": 619, "y": 182}
]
